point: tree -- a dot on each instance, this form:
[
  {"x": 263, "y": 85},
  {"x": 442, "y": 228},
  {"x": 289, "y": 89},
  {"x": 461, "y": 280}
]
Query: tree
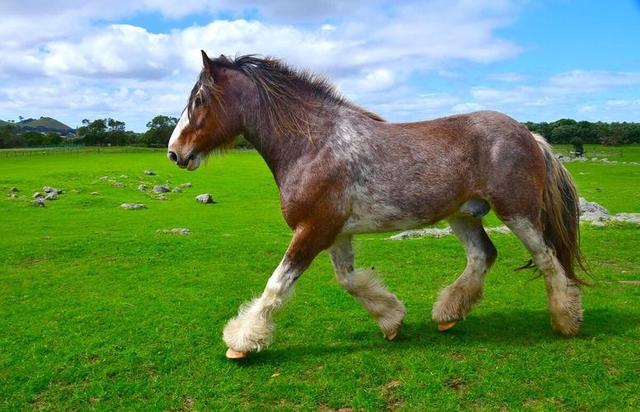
[
  {"x": 563, "y": 133},
  {"x": 160, "y": 129},
  {"x": 578, "y": 147},
  {"x": 33, "y": 138},
  {"x": 52, "y": 138},
  {"x": 9, "y": 136},
  {"x": 93, "y": 133}
]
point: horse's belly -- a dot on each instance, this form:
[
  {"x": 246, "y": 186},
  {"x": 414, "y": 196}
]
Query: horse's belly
[{"x": 382, "y": 218}]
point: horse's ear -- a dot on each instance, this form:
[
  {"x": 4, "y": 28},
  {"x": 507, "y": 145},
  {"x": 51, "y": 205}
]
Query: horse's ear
[{"x": 206, "y": 62}]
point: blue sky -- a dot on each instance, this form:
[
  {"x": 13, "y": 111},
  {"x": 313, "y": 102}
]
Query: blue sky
[{"x": 133, "y": 59}]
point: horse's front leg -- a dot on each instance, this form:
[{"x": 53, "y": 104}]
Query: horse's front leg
[{"x": 252, "y": 329}]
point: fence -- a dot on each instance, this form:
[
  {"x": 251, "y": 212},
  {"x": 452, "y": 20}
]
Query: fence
[{"x": 71, "y": 150}]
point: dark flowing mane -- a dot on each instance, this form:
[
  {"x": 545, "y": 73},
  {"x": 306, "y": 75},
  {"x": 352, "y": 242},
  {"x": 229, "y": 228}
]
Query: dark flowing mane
[{"x": 286, "y": 96}]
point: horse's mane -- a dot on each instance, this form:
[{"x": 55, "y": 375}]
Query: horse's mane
[{"x": 286, "y": 95}]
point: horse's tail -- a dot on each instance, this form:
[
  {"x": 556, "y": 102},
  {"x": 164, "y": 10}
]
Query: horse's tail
[{"x": 561, "y": 213}]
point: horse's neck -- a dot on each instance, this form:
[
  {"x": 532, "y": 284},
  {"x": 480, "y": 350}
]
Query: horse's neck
[{"x": 280, "y": 151}]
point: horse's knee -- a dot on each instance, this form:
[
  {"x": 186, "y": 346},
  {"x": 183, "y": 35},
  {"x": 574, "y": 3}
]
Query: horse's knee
[{"x": 492, "y": 253}]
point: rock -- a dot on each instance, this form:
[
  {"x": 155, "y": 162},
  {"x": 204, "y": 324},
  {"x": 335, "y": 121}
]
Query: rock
[
  {"x": 142, "y": 187},
  {"x": 205, "y": 198},
  {"x": 498, "y": 229},
  {"x": 38, "y": 202},
  {"x": 115, "y": 183},
  {"x": 14, "y": 190},
  {"x": 633, "y": 218},
  {"x": 51, "y": 196},
  {"x": 133, "y": 206},
  {"x": 176, "y": 190},
  {"x": 149, "y": 172},
  {"x": 94, "y": 193},
  {"x": 438, "y": 233},
  {"x": 428, "y": 232},
  {"x": 49, "y": 189},
  {"x": 161, "y": 196},
  {"x": 175, "y": 231},
  {"x": 161, "y": 188},
  {"x": 184, "y": 185},
  {"x": 592, "y": 212},
  {"x": 13, "y": 196},
  {"x": 37, "y": 195}
]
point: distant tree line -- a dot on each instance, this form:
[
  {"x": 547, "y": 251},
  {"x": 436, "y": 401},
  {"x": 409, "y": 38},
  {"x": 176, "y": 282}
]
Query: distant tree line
[
  {"x": 569, "y": 131},
  {"x": 112, "y": 132},
  {"x": 99, "y": 132}
]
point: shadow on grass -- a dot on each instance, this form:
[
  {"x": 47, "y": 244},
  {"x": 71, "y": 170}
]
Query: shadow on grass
[{"x": 500, "y": 330}]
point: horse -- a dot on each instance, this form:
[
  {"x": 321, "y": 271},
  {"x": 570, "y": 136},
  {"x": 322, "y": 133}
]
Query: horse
[{"x": 342, "y": 170}]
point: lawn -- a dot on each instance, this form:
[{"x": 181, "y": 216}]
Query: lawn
[{"x": 100, "y": 311}]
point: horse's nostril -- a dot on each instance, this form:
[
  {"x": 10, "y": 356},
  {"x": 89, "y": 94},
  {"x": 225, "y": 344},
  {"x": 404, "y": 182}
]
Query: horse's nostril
[{"x": 173, "y": 156}]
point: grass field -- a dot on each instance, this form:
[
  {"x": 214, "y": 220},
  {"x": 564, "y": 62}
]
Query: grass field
[{"x": 99, "y": 311}]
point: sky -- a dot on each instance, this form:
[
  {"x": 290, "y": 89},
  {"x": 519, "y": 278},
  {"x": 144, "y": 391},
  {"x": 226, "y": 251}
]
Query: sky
[{"x": 406, "y": 60}]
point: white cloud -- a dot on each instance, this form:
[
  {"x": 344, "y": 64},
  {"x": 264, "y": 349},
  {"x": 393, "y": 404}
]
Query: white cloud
[
  {"x": 508, "y": 77},
  {"x": 584, "y": 80},
  {"x": 411, "y": 108},
  {"x": 62, "y": 56},
  {"x": 467, "y": 107}
]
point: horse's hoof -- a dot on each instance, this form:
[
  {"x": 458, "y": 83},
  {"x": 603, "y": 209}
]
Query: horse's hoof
[
  {"x": 392, "y": 335},
  {"x": 446, "y": 326},
  {"x": 234, "y": 354}
]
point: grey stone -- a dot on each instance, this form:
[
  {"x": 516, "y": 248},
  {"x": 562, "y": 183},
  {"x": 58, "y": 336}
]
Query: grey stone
[
  {"x": 161, "y": 188},
  {"x": 142, "y": 187},
  {"x": 38, "y": 202},
  {"x": 438, "y": 233},
  {"x": 184, "y": 185},
  {"x": 633, "y": 218},
  {"x": 14, "y": 190},
  {"x": 428, "y": 232},
  {"x": 133, "y": 206},
  {"x": 176, "y": 231},
  {"x": 205, "y": 198},
  {"x": 51, "y": 196},
  {"x": 176, "y": 190},
  {"x": 49, "y": 189},
  {"x": 161, "y": 196},
  {"x": 498, "y": 229},
  {"x": 37, "y": 195},
  {"x": 149, "y": 172},
  {"x": 592, "y": 212}
]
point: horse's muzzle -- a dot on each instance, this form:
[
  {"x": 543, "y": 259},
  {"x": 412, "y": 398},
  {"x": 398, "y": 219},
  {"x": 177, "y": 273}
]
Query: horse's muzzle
[{"x": 190, "y": 162}]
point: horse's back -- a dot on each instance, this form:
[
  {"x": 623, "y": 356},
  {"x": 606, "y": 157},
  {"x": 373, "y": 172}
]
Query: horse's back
[{"x": 417, "y": 173}]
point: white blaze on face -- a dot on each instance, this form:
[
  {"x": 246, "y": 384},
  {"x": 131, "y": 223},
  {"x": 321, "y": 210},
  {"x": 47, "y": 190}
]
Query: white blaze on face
[{"x": 182, "y": 123}]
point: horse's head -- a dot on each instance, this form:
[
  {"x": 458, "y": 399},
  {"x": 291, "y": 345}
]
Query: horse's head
[{"x": 211, "y": 119}]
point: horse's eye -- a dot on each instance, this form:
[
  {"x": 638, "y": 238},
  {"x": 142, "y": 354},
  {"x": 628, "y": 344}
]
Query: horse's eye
[{"x": 198, "y": 101}]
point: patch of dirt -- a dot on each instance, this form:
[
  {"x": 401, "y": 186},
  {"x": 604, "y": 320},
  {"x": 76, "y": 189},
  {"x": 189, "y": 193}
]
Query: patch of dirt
[{"x": 456, "y": 384}]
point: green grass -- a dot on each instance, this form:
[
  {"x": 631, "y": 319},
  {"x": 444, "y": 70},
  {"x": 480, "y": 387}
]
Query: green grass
[{"x": 98, "y": 311}]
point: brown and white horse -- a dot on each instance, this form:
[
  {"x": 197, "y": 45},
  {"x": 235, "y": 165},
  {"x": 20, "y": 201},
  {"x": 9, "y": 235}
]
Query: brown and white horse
[{"x": 342, "y": 170}]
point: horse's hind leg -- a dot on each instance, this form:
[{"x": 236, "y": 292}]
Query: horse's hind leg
[
  {"x": 366, "y": 288},
  {"x": 563, "y": 293},
  {"x": 456, "y": 300}
]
